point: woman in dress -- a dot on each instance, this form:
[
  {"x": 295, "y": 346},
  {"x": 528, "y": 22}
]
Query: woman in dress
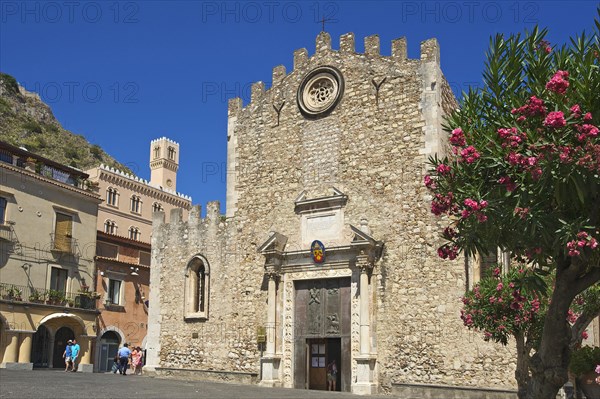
[{"x": 136, "y": 360}]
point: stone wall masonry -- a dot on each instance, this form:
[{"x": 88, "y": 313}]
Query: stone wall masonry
[{"x": 373, "y": 147}]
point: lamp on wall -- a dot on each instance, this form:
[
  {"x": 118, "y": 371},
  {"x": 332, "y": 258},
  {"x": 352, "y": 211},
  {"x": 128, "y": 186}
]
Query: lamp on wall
[{"x": 134, "y": 271}]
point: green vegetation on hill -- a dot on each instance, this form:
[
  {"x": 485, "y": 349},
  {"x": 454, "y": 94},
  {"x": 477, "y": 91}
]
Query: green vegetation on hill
[{"x": 26, "y": 121}]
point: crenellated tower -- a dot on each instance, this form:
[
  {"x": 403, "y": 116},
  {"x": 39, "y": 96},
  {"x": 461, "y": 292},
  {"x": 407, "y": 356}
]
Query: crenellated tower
[{"x": 164, "y": 162}]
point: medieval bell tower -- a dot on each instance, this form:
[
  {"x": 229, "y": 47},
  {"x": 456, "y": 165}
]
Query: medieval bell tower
[{"x": 164, "y": 162}]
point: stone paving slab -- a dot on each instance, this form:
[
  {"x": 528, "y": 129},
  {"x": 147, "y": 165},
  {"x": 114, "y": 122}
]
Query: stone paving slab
[{"x": 58, "y": 384}]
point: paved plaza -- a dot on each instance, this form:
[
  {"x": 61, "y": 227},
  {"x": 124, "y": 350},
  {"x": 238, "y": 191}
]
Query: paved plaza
[{"x": 58, "y": 384}]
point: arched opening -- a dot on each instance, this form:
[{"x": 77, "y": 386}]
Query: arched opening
[
  {"x": 60, "y": 343},
  {"x": 40, "y": 347},
  {"x": 109, "y": 345},
  {"x": 197, "y": 290}
]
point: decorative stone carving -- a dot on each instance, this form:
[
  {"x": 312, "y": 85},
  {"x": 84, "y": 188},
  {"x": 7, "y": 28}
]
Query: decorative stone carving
[{"x": 320, "y": 91}]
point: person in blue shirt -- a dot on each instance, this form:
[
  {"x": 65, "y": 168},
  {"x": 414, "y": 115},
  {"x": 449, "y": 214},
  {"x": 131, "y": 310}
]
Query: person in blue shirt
[
  {"x": 75, "y": 349},
  {"x": 67, "y": 355},
  {"x": 124, "y": 356}
]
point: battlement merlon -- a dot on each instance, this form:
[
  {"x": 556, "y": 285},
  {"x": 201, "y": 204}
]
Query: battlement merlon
[
  {"x": 158, "y": 218},
  {"x": 430, "y": 52}
]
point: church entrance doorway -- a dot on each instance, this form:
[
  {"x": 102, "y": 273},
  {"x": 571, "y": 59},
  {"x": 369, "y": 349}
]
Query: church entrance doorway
[
  {"x": 322, "y": 320},
  {"x": 322, "y": 353}
]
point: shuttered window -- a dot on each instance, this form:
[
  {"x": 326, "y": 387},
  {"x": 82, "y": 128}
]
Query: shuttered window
[{"x": 63, "y": 232}]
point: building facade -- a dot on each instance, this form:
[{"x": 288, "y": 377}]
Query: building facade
[
  {"x": 328, "y": 247},
  {"x": 123, "y": 251},
  {"x": 47, "y": 246},
  {"x": 123, "y": 267}
]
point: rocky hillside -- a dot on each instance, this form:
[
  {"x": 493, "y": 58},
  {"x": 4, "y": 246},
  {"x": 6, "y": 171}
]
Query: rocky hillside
[{"x": 26, "y": 121}]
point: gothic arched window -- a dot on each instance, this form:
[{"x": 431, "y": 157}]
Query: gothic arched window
[
  {"x": 171, "y": 153},
  {"x": 196, "y": 288},
  {"x": 136, "y": 204},
  {"x": 111, "y": 196},
  {"x": 110, "y": 227}
]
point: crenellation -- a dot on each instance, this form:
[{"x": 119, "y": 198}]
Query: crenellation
[
  {"x": 158, "y": 218},
  {"x": 372, "y": 45},
  {"x": 300, "y": 58},
  {"x": 257, "y": 91},
  {"x": 195, "y": 216},
  {"x": 323, "y": 43},
  {"x": 347, "y": 44},
  {"x": 430, "y": 51},
  {"x": 213, "y": 211},
  {"x": 279, "y": 74},
  {"x": 234, "y": 106},
  {"x": 176, "y": 216},
  {"x": 399, "y": 49}
]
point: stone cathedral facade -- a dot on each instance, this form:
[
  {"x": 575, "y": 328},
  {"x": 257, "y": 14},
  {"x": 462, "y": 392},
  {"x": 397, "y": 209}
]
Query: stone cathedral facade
[{"x": 328, "y": 248}]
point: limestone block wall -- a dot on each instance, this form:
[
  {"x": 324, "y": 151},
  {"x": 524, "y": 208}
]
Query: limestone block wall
[
  {"x": 373, "y": 147},
  {"x": 226, "y": 339}
]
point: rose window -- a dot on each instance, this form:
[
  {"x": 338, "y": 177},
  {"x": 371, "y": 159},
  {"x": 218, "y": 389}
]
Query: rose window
[{"x": 320, "y": 91}]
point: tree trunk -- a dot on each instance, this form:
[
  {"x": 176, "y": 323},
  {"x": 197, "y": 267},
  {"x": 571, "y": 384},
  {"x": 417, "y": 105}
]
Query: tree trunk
[
  {"x": 522, "y": 371},
  {"x": 549, "y": 366}
]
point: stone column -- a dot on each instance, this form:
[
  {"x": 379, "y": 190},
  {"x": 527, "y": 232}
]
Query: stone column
[
  {"x": 85, "y": 365},
  {"x": 25, "y": 343},
  {"x": 365, "y": 319},
  {"x": 269, "y": 362},
  {"x": 365, "y": 362},
  {"x": 12, "y": 348},
  {"x": 272, "y": 297}
]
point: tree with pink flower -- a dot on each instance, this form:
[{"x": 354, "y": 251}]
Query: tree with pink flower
[{"x": 523, "y": 175}]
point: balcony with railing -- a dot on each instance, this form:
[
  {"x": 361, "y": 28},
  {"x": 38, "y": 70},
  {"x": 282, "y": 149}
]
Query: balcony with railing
[
  {"x": 31, "y": 295},
  {"x": 45, "y": 167}
]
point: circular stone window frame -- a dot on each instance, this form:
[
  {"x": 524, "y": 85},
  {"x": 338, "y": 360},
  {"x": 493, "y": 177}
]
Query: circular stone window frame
[{"x": 326, "y": 72}]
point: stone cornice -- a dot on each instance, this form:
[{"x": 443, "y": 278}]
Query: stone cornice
[{"x": 143, "y": 187}]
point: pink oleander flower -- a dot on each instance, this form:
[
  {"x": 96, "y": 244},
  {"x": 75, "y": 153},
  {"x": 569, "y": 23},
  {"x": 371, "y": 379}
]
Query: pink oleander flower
[
  {"x": 576, "y": 111},
  {"x": 429, "y": 182},
  {"x": 584, "y": 335},
  {"x": 470, "y": 154},
  {"x": 587, "y": 117},
  {"x": 534, "y": 107},
  {"x": 559, "y": 82},
  {"x": 555, "y": 120},
  {"x": 499, "y": 287},
  {"x": 586, "y": 130},
  {"x": 508, "y": 183},
  {"x": 598, "y": 369},
  {"x": 443, "y": 169},
  {"x": 457, "y": 137}
]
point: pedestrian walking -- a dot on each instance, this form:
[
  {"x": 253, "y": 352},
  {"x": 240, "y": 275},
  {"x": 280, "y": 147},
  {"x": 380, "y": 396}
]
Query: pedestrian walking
[
  {"x": 67, "y": 355},
  {"x": 124, "y": 356},
  {"x": 75, "y": 349}
]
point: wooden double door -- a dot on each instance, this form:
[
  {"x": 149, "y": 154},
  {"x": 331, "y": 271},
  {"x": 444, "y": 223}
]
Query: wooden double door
[{"x": 322, "y": 333}]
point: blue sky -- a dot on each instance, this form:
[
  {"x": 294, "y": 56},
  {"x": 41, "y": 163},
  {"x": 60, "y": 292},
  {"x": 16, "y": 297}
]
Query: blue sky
[{"x": 124, "y": 72}]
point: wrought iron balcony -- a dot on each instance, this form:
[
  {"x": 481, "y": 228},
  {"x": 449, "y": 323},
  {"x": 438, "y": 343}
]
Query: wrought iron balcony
[{"x": 22, "y": 293}]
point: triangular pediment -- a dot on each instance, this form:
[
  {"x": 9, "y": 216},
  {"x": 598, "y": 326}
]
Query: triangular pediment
[
  {"x": 361, "y": 236},
  {"x": 275, "y": 242}
]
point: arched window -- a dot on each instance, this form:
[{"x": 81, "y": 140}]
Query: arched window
[
  {"x": 157, "y": 207},
  {"x": 197, "y": 289},
  {"x": 156, "y": 152},
  {"x": 136, "y": 204},
  {"x": 171, "y": 153},
  {"x": 134, "y": 233},
  {"x": 110, "y": 227},
  {"x": 112, "y": 196}
]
